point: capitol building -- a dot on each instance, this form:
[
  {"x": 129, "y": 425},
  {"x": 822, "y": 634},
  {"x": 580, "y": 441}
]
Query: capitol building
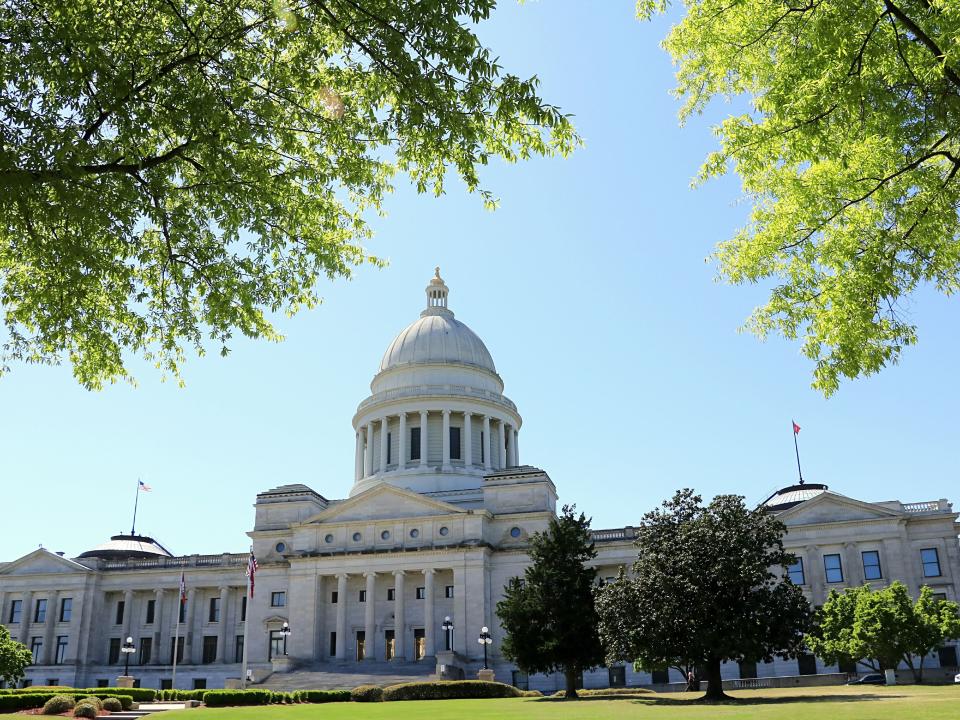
[{"x": 439, "y": 518}]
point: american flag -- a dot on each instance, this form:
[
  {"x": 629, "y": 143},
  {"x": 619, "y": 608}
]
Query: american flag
[
  {"x": 144, "y": 486},
  {"x": 183, "y": 588},
  {"x": 251, "y": 570}
]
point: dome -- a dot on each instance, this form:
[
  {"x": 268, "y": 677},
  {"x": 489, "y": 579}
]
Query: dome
[
  {"x": 128, "y": 546},
  {"x": 793, "y": 495},
  {"x": 437, "y": 337}
]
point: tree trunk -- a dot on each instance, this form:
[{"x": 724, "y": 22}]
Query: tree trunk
[
  {"x": 714, "y": 683},
  {"x": 571, "y": 676}
]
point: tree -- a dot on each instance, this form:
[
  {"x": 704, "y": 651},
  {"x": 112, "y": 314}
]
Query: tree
[
  {"x": 709, "y": 585},
  {"x": 172, "y": 173},
  {"x": 14, "y": 658},
  {"x": 850, "y": 154},
  {"x": 885, "y": 626},
  {"x": 549, "y": 616}
]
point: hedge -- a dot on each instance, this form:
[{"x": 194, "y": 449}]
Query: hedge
[
  {"x": 367, "y": 693},
  {"x": 322, "y": 696},
  {"x": 222, "y": 698},
  {"x": 449, "y": 690},
  {"x": 182, "y": 695}
]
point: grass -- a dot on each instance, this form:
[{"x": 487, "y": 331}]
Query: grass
[{"x": 903, "y": 702}]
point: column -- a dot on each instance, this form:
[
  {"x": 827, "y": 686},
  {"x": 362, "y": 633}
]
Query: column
[
  {"x": 369, "y": 628},
  {"x": 464, "y": 632},
  {"x": 222, "y": 630},
  {"x": 341, "y": 616},
  {"x": 428, "y": 620},
  {"x": 358, "y": 457},
  {"x": 383, "y": 444},
  {"x": 816, "y": 576},
  {"x": 486, "y": 442},
  {"x": 503, "y": 444},
  {"x": 515, "y": 454},
  {"x": 446, "y": 439},
  {"x": 48, "y": 623},
  {"x": 26, "y": 610},
  {"x": 854, "y": 563},
  {"x": 399, "y": 619},
  {"x": 186, "y": 632},
  {"x": 423, "y": 437},
  {"x": 467, "y": 440},
  {"x": 158, "y": 638},
  {"x": 368, "y": 456},
  {"x": 402, "y": 442},
  {"x": 3, "y": 600}
]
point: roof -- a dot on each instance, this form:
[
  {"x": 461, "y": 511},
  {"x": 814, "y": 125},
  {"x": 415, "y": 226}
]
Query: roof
[
  {"x": 791, "y": 495},
  {"x": 437, "y": 337},
  {"x": 127, "y": 546}
]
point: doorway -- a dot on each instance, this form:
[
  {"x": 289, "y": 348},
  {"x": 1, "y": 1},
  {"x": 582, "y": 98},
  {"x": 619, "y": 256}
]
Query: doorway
[
  {"x": 388, "y": 644},
  {"x": 419, "y": 644},
  {"x": 361, "y": 644}
]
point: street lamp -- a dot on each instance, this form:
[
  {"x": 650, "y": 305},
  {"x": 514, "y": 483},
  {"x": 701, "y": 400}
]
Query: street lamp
[
  {"x": 448, "y": 628},
  {"x": 127, "y": 649},
  {"x": 485, "y": 639},
  {"x": 285, "y": 631}
]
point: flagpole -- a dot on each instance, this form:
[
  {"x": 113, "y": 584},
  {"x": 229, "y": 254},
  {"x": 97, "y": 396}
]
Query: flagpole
[
  {"x": 176, "y": 640},
  {"x": 793, "y": 426},
  {"x": 246, "y": 624},
  {"x": 133, "y": 525}
]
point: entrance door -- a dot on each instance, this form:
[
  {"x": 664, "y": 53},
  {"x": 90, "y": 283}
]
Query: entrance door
[
  {"x": 419, "y": 644},
  {"x": 361, "y": 644},
  {"x": 276, "y": 644},
  {"x": 388, "y": 643}
]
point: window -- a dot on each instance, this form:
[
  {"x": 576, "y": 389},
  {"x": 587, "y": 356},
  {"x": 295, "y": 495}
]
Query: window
[
  {"x": 389, "y": 645},
  {"x": 179, "y": 649},
  {"x": 931, "y": 562},
  {"x": 146, "y": 650},
  {"x": 280, "y": 547},
  {"x": 357, "y": 537},
  {"x": 455, "y": 443},
  {"x": 748, "y": 670},
  {"x": 483, "y": 448},
  {"x": 118, "y": 619},
  {"x": 334, "y": 596},
  {"x": 795, "y": 572},
  {"x": 214, "y": 614},
  {"x": 421, "y": 593},
  {"x": 834, "y": 570},
  {"x": 276, "y": 644},
  {"x": 660, "y": 677},
  {"x": 391, "y": 594},
  {"x": 328, "y": 538},
  {"x": 385, "y": 535},
  {"x": 40, "y": 611},
  {"x": 415, "y": 443},
  {"x": 362, "y": 596},
  {"x": 333, "y": 644},
  {"x": 60, "y": 656},
  {"x": 183, "y": 611},
  {"x": 414, "y": 533},
  {"x": 948, "y": 656},
  {"x": 807, "y": 664},
  {"x": 36, "y": 647},
  {"x": 515, "y": 532},
  {"x": 444, "y": 531},
  {"x": 617, "y": 676},
  {"x": 113, "y": 653},
  {"x": 847, "y": 665},
  {"x": 243, "y": 609},
  {"x": 209, "y": 649},
  {"x": 448, "y": 591},
  {"x": 871, "y": 565},
  {"x": 238, "y": 653},
  {"x": 165, "y": 683},
  {"x": 278, "y": 599},
  {"x": 53, "y": 682},
  {"x": 939, "y": 596},
  {"x": 361, "y": 645},
  {"x": 16, "y": 610},
  {"x": 66, "y": 609},
  {"x": 389, "y": 448},
  {"x": 26, "y": 683},
  {"x": 199, "y": 683},
  {"x": 151, "y": 611}
]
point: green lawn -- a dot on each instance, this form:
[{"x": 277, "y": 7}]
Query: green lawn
[{"x": 828, "y": 703}]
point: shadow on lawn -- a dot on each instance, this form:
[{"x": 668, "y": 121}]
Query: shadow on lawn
[{"x": 648, "y": 699}]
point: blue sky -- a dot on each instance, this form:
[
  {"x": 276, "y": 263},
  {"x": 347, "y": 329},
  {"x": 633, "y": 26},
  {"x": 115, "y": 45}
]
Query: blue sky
[{"x": 590, "y": 288}]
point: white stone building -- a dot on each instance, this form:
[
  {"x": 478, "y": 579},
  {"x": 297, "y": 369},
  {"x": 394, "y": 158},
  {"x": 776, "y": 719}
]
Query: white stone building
[{"x": 438, "y": 520}]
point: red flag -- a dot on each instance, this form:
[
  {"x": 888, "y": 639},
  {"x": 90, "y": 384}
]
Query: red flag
[
  {"x": 183, "y": 588},
  {"x": 251, "y": 571},
  {"x": 796, "y": 428}
]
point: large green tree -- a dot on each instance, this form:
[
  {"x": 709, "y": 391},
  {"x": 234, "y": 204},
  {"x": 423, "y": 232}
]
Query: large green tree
[
  {"x": 884, "y": 626},
  {"x": 14, "y": 658},
  {"x": 174, "y": 171},
  {"x": 850, "y": 152},
  {"x": 549, "y": 615},
  {"x": 709, "y": 585}
]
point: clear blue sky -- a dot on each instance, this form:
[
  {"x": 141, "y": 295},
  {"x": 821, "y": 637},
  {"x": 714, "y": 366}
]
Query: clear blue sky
[{"x": 590, "y": 289}]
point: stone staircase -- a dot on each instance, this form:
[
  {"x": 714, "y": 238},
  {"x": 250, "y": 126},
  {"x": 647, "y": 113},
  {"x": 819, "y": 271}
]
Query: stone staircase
[
  {"x": 347, "y": 675},
  {"x": 148, "y": 709}
]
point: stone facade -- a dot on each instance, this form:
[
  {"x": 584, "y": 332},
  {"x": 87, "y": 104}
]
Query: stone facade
[{"x": 438, "y": 520}]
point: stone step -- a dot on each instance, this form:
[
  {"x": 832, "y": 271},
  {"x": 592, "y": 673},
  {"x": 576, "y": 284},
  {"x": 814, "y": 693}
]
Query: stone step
[{"x": 336, "y": 676}]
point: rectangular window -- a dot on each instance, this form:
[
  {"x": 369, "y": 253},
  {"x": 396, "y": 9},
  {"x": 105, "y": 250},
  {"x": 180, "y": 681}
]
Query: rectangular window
[
  {"x": 113, "y": 654},
  {"x": 238, "y": 654},
  {"x": 448, "y": 591},
  {"x": 455, "y": 443},
  {"x": 61, "y": 655},
  {"x": 118, "y": 620},
  {"x": 103, "y": 682},
  {"x": 415, "y": 443},
  {"x": 334, "y": 597},
  {"x": 53, "y": 682},
  {"x": 146, "y": 650},
  {"x": 183, "y": 612},
  {"x": 199, "y": 683},
  {"x": 179, "y": 647},
  {"x": 871, "y": 565},
  {"x": 40, "y": 611},
  {"x": 806, "y": 664},
  {"x": 209, "y": 649},
  {"x": 214, "y": 614},
  {"x": 16, "y": 611},
  {"x": 165, "y": 683},
  {"x": 483, "y": 448},
  {"x": 36, "y": 647},
  {"x": 421, "y": 593},
  {"x": 276, "y": 644},
  {"x": 151, "y": 611},
  {"x": 333, "y": 644},
  {"x": 389, "y": 448},
  {"x": 66, "y": 609},
  {"x": 795, "y": 572},
  {"x": 748, "y": 670},
  {"x": 391, "y": 594},
  {"x": 362, "y": 596},
  {"x": 243, "y": 609},
  {"x": 931, "y": 562},
  {"x": 939, "y": 596},
  {"x": 833, "y": 569},
  {"x": 278, "y": 599}
]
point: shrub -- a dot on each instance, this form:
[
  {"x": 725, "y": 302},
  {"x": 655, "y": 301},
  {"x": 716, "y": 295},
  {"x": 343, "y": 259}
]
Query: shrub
[
  {"x": 85, "y": 710},
  {"x": 58, "y": 704},
  {"x": 112, "y": 704},
  {"x": 367, "y": 693},
  {"x": 449, "y": 690},
  {"x": 324, "y": 696},
  {"x": 91, "y": 700},
  {"x": 223, "y": 698},
  {"x": 24, "y": 701},
  {"x": 138, "y": 694},
  {"x": 600, "y": 692}
]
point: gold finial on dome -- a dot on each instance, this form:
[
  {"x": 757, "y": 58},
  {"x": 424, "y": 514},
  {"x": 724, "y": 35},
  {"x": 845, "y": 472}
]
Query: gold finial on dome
[{"x": 437, "y": 292}]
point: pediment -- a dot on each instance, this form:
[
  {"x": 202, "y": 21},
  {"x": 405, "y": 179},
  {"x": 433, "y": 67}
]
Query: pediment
[
  {"x": 833, "y": 507},
  {"x": 41, "y": 562},
  {"x": 383, "y": 502}
]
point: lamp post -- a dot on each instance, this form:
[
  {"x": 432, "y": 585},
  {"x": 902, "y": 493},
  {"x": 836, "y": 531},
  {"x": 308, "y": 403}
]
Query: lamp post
[
  {"x": 485, "y": 639},
  {"x": 128, "y": 649},
  {"x": 285, "y": 631},
  {"x": 448, "y": 629}
]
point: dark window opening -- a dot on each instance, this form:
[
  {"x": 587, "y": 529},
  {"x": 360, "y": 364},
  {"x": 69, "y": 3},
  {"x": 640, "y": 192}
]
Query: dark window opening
[
  {"x": 214, "y": 614},
  {"x": 118, "y": 620},
  {"x": 389, "y": 448},
  {"x": 151, "y": 611},
  {"x": 209, "y": 649},
  {"x": 748, "y": 670},
  {"x": 617, "y": 676},
  {"x": 660, "y": 677},
  {"x": 238, "y": 654},
  {"x": 113, "y": 654},
  {"x": 806, "y": 664},
  {"x": 179, "y": 642},
  {"x": 40, "y": 611},
  {"x": 455, "y": 443},
  {"x": 333, "y": 644},
  {"x": 415, "y": 443},
  {"x": 66, "y": 609}
]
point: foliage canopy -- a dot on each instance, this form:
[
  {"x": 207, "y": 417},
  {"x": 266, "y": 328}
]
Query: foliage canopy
[
  {"x": 14, "y": 658},
  {"x": 173, "y": 172}
]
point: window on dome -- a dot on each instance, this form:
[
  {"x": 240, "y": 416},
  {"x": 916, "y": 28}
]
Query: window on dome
[
  {"x": 415, "y": 443},
  {"x": 455, "y": 443}
]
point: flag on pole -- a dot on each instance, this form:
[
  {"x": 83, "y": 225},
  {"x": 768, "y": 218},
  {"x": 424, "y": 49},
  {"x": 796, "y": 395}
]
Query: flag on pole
[
  {"x": 796, "y": 428},
  {"x": 183, "y": 588},
  {"x": 144, "y": 486},
  {"x": 251, "y": 570}
]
